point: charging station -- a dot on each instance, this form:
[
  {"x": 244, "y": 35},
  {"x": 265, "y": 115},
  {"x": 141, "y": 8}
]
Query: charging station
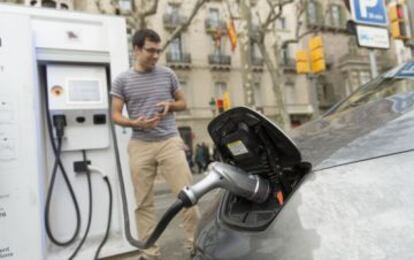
[{"x": 59, "y": 64}]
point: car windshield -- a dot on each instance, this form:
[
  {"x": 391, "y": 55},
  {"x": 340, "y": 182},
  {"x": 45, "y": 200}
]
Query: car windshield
[{"x": 379, "y": 88}]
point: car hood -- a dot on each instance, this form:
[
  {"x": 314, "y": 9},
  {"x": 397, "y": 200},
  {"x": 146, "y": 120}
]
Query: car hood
[{"x": 368, "y": 131}]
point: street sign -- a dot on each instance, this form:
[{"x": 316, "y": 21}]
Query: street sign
[
  {"x": 373, "y": 37},
  {"x": 370, "y": 12}
]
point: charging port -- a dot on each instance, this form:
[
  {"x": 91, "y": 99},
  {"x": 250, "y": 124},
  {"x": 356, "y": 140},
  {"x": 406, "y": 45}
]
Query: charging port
[
  {"x": 80, "y": 119},
  {"x": 99, "y": 119}
]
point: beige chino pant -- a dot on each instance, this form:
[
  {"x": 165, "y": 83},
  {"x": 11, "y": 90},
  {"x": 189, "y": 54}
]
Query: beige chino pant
[{"x": 166, "y": 157}]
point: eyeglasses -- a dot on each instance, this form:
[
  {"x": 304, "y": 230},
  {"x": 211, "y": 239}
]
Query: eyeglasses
[{"x": 153, "y": 50}]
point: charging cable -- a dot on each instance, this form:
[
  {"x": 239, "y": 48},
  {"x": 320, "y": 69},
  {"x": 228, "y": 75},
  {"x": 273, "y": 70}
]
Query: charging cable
[{"x": 59, "y": 122}]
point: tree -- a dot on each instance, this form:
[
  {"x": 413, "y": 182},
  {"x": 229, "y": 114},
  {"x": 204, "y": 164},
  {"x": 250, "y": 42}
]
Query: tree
[
  {"x": 140, "y": 10},
  {"x": 258, "y": 36}
]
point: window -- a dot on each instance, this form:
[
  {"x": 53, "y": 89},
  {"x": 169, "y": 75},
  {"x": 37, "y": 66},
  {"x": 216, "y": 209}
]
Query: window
[
  {"x": 335, "y": 11},
  {"x": 125, "y": 5},
  {"x": 49, "y": 4},
  {"x": 187, "y": 91},
  {"x": 281, "y": 23},
  {"x": 214, "y": 17},
  {"x": 174, "y": 11},
  {"x": 219, "y": 46},
  {"x": 219, "y": 89},
  {"x": 354, "y": 80},
  {"x": 290, "y": 92},
  {"x": 377, "y": 89},
  {"x": 176, "y": 48},
  {"x": 364, "y": 77},
  {"x": 255, "y": 52},
  {"x": 285, "y": 55},
  {"x": 312, "y": 12},
  {"x": 130, "y": 50},
  {"x": 258, "y": 101},
  {"x": 187, "y": 94}
]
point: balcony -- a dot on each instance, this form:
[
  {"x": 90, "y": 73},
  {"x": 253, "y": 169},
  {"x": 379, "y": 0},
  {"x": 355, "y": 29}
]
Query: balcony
[
  {"x": 288, "y": 65},
  {"x": 172, "y": 21},
  {"x": 219, "y": 61},
  {"x": 214, "y": 25},
  {"x": 257, "y": 64},
  {"x": 178, "y": 60}
]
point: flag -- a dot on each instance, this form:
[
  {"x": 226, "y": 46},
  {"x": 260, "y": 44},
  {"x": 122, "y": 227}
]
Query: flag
[{"x": 231, "y": 32}]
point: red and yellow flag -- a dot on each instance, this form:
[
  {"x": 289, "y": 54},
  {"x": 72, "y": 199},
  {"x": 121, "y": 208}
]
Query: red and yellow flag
[{"x": 231, "y": 32}]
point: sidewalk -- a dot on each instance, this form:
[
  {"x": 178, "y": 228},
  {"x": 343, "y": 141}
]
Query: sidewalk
[{"x": 161, "y": 187}]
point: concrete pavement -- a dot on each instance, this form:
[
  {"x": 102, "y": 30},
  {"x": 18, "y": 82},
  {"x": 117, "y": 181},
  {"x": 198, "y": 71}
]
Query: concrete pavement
[{"x": 171, "y": 241}]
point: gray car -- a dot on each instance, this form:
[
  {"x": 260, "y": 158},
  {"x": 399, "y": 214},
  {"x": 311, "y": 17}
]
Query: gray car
[{"x": 342, "y": 186}]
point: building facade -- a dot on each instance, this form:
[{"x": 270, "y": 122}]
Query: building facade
[{"x": 207, "y": 68}]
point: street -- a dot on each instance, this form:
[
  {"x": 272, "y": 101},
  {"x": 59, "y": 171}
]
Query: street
[{"x": 171, "y": 241}]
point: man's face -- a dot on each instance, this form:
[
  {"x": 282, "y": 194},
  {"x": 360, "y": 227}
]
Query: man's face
[{"x": 148, "y": 55}]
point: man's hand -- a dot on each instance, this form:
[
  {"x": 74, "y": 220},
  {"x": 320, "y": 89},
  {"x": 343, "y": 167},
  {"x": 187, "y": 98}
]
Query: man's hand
[
  {"x": 144, "y": 122},
  {"x": 164, "y": 108}
]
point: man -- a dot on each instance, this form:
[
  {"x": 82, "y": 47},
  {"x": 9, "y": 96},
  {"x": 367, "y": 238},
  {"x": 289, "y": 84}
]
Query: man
[{"x": 151, "y": 94}]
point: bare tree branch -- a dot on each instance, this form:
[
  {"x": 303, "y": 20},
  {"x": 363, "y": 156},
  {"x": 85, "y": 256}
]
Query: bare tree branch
[
  {"x": 231, "y": 14},
  {"x": 271, "y": 11},
  {"x": 300, "y": 8},
  {"x": 152, "y": 10},
  {"x": 185, "y": 25},
  {"x": 273, "y": 16}
]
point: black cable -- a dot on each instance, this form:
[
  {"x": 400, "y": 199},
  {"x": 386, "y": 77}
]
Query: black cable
[
  {"x": 49, "y": 197},
  {"x": 164, "y": 221},
  {"x": 88, "y": 225},
  {"x": 127, "y": 226},
  {"x": 108, "y": 225},
  {"x": 58, "y": 163}
]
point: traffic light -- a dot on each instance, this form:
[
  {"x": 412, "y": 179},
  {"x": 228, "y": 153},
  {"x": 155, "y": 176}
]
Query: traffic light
[
  {"x": 226, "y": 101},
  {"x": 302, "y": 62},
  {"x": 317, "y": 56},
  {"x": 220, "y": 105},
  {"x": 398, "y": 15}
]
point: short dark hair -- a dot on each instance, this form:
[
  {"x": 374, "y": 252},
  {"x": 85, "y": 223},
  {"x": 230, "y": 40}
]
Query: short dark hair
[{"x": 139, "y": 37}]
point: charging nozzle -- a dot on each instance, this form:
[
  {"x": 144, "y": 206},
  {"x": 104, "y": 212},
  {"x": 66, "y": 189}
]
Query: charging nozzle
[
  {"x": 59, "y": 122},
  {"x": 233, "y": 179}
]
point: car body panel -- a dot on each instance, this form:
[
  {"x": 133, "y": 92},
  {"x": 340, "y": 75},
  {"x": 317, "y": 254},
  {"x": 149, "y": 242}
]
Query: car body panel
[
  {"x": 313, "y": 226},
  {"x": 357, "y": 203},
  {"x": 362, "y": 133}
]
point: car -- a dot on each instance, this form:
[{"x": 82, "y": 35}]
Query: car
[{"x": 342, "y": 185}]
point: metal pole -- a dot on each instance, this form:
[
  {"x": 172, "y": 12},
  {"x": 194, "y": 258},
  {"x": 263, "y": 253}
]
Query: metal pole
[
  {"x": 410, "y": 5},
  {"x": 314, "y": 95},
  {"x": 373, "y": 62}
]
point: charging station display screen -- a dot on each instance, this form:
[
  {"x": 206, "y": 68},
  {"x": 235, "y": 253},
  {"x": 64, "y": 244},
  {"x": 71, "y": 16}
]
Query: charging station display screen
[{"x": 84, "y": 91}]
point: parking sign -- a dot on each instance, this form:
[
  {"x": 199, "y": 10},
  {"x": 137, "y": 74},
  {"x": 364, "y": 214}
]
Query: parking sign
[{"x": 371, "y": 12}]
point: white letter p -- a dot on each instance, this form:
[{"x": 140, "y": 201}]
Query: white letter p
[{"x": 365, "y": 4}]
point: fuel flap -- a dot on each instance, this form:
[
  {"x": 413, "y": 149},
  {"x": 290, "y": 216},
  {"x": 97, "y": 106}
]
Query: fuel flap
[
  {"x": 247, "y": 139},
  {"x": 250, "y": 141}
]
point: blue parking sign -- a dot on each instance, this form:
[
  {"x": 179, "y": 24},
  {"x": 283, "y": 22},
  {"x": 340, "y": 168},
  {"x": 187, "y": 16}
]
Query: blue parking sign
[{"x": 371, "y": 12}]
